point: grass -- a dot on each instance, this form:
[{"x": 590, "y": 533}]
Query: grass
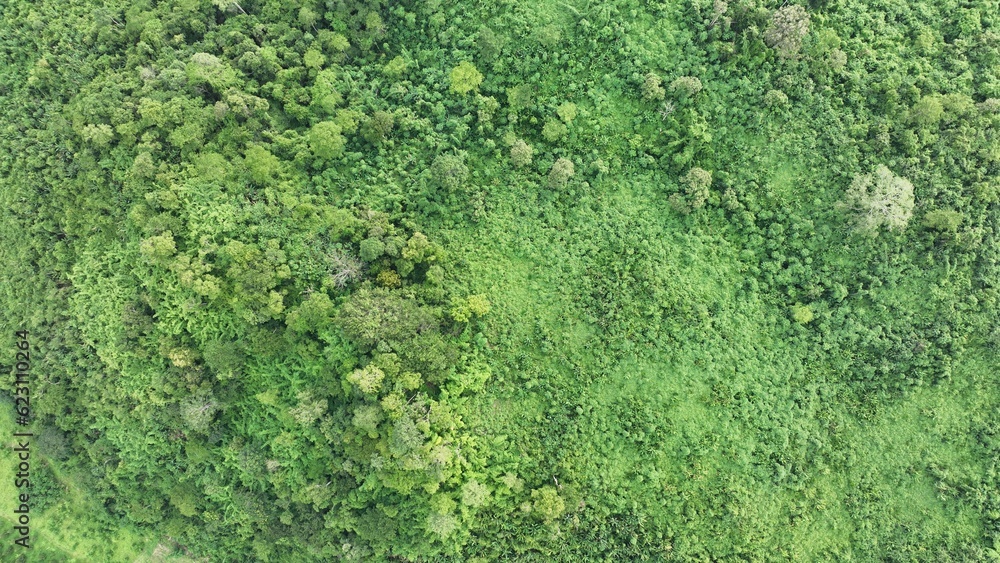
[
  {"x": 737, "y": 430},
  {"x": 70, "y": 529}
]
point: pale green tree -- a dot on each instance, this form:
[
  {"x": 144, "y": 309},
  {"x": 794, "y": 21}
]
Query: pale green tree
[
  {"x": 521, "y": 153},
  {"x": 325, "y": 140},
  {"x": 562, "y": 170},
  {"x": 465, "y": 78}
]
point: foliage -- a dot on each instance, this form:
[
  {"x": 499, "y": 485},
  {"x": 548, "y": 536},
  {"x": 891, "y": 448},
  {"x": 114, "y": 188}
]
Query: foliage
[
  {"x": 521, "y": 153},
  {"x": 465, "y": 78},
  {"x": 560, "y": 173},
  {"x": 787, "y": 29},
  {"x": 880, "y": 199},
  {"x": 652, "y": 87},
  {"x": 450, "y": 171},
  {"x": 401, "y": 281}
]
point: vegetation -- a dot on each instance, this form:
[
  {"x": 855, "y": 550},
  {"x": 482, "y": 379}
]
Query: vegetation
[{"x": 534, "y": 281}]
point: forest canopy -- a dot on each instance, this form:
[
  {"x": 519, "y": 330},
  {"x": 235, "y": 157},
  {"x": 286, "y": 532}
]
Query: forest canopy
[{"x": 537, "y": 281}]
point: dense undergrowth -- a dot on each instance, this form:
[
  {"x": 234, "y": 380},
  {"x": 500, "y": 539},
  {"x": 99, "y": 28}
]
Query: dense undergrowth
[{"x": 530, "y": 281}]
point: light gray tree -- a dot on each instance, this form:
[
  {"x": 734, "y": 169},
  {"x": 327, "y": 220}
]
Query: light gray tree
[
  {"x": 562, "y": 170},
  {"x": 880, "y": 198},
  {"x": 788, "y": 28}
]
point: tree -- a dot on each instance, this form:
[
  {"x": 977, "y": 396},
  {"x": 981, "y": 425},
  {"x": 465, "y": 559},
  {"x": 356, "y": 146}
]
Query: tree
[
  {"x": 686, "y": 86},
  {"x": 198, "y": 410},
  {"x": 373, "y": 315},
  {"x": 567, "y": 112},
  {"x": 943, "y": 220},
  {"x": 878, "y": 199},
  {"x": 802, "y": 314},
  {"x": 775, "y": 98},
  {"x": 521, "y": 153},
  {"x": 313, "y": 59},
  {"x": 463, "y": 309},
  {"x": 230, "y": 6},
  {"x": 99, "y": 135},
  {"x": 158, "y": 248},
  {"x": 697, "y": 181},
  {"x": 367, "y": 418},
  {"x": 548, "y": 35},
  {"x": 225, "y": 358},
  {"x": 719, "y": 8},
  {"x": 378, "y": 127},
  {"x": 342, "y": 268},
  {"x": 443, "y": 525},
  {"x": 325, "y": 140},
  {"x": 309, "y": 408},
  {"x": 262, "y": 165},
  {"x": 371, "y": 249},
  {"x": 449, "y": 171},
  {"x": 788, "y": 28},
  {"x": 547, "y": 504},
  {"x": 554, "y": 130},
  {"x": 465, "y": 78},
  {"x": 475, "y": 494},
  {"x": 652, "y": 87},
  {"x": 561, "y": 172},
  {"x": 395, "y": 67},
  {"x": 324, "y": 91},
  {"x": 206, "y": 68},
  {"x": 928, "y": 111},
  {"x": 488, "y": 106},
  {"x": 521, "y": 96},
  {"x": 312, "y": 314},
  {"x": 488, "y": 43},
  {"x": 367, "y": 379}
]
